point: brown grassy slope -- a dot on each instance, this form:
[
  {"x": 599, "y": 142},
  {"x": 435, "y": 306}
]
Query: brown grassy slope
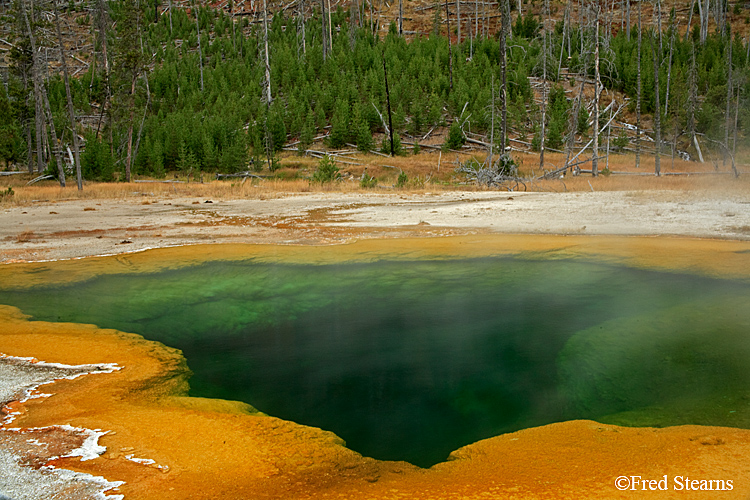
[{"x": 422, "y": 170}]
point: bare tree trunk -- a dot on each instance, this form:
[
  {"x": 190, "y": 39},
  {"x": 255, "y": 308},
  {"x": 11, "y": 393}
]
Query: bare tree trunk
[
  {"x": 729, "y": 102},
  {"x": 484, "y": 19},
  {"x": 43, "y": 101},
  {"x": 736, "y": 117},
  {"x": 388, "y": 103},
  {"x": 573, "y": 124},
  {"x": 330, "y": 29},
  {"x": 352, "y": 26},
  {"x": 170, "y": 17},
  {"x": 581, "y": 23},
  {"x": 658, "y": 26},
  {"x": 267, "y": 89},
  {"x": 200, "y": 52},
  {"x": 450, "y": 48},
  {"x": 401, "y": 17},
  {"x": 609, "y": 133},
  {"x": 265, "y": 43},
  {"x": 693, "y": 101},
  {"x": 145, "y": 108},
  {"x": 504, "y": 76},
  {"x": 55, "y": 145},
  {"x": 638, "y": 95},
  {"x": 720, "y": 16},
  {"x": 71, "y": 111},
  {"x": 304, "y": 37},
  {"x": 38, "y": 109},
  {"x": 131, "y": 123},
  {"x": 544, "y": 83},
  {"x": 46, "y": 153},
  {"x": 372, "y": 21},
  {"x": 492, "y": 123},
  {"x": 29, "y": 152},
  {"x": 657, "y": 111},
  {"x": 566, "y": 21},
  {"x": 458, "y": 22},
  {"x": 471, "y": 40},
  {"x": 675, "y": 135},
  {"x": 323, "y": 21},
  {"x": 690, "y": 19},
  {"x": 231, "y": 14},
  {"x": 627, "y": 19},
  {"x": 595, "y": 156},
  {"x": 669, "y": 69},
  {"x": 102, "y": 29},
  {"x": 476, "y": 19},
  {"x": 570, "y": 21}
]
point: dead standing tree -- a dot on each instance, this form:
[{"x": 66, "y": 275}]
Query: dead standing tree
[
  {"x": 323, "y": 22},
  {"x": 657, "y": 109},
  {"x": 458, "y": 24},
  {"x": 693, "y": 102},
  {"x": 267, "y": 88},
  {"x": 388, "y": 103},
  {"x": 639, "y": 92},
  {"x": 728, "y": 115},
  {"x": 71, "y": 111},
  {"x": 597, "y": 47},
  {"x": 657, "y": 56},
  {"x": 37, "y": 83},
  {"x": 36, "y": 80},
  {"x": 505, "y": 27},
  {"x": 450, "y": 46},
  {"x": 101, "y": 16},
  {"x": 196, "y": 11},
  {"x": 545, "y": 57},
  {"x": 129, "y": 65},
  {"x": 42, "y": 91},
  {"x": 597, "y": 95},
  {"x": 301, "y": 28}
]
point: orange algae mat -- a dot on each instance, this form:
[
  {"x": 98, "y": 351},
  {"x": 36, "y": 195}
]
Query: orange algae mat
[{"x": 220, "y": 449}]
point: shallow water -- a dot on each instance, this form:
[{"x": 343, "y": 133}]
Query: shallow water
[{"x": 411, "y": 360}]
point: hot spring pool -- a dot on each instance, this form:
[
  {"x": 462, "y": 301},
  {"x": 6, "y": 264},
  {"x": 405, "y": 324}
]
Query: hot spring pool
[{"x": 409, "y": 360}]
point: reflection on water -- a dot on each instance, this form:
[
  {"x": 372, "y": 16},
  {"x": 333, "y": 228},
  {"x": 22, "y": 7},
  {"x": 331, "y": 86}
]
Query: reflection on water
[{"x": 410, "y": 360}]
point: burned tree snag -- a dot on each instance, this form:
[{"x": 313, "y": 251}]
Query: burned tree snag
[{"x": 388, "y": 104}]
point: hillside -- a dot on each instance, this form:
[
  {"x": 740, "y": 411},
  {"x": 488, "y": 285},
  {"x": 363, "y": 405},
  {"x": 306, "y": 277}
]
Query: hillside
[{"x": 163, "y": 93}]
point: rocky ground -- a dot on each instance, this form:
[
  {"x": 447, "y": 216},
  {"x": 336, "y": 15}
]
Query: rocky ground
[{"x": 80, "y": 228}]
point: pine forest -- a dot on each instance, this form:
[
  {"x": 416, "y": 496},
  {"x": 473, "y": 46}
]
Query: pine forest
[{"x": 110, "y": 90}]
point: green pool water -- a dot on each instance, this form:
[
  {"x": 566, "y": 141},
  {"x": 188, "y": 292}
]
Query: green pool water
[{"x": 409, "y": 360}]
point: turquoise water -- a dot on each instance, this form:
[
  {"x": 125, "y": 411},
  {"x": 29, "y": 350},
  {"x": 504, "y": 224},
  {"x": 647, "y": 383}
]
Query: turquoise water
[{"x": 411, "y": 360}]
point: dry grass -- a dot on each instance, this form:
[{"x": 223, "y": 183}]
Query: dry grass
[
  {"x": 428, "y": 171},
  {"x": 626, "y": 177}
]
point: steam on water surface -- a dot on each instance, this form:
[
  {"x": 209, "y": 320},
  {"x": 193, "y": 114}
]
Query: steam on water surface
[{"x": 410, "y": 360}]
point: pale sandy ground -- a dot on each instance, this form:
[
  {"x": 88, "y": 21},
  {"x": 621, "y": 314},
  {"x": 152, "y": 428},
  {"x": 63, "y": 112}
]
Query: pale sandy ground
[{"x": 80, "y": 228}]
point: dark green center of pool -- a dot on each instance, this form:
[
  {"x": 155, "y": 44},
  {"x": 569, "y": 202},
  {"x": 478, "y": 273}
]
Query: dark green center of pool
[{"x": 409, "y": 360}]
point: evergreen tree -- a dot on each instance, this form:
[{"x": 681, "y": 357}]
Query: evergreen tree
[
  {"x": 362, "y": 131},
  {"x": 340, "y": 125}
]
